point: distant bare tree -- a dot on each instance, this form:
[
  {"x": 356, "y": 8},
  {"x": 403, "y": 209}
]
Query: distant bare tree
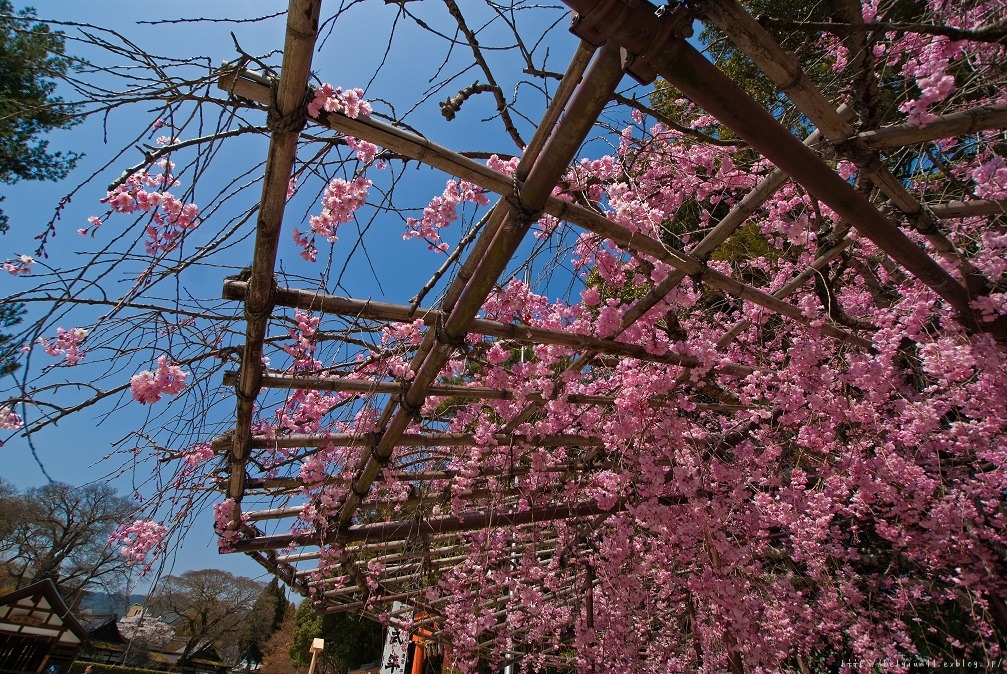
[
  {"x": 61, "y": 532},
  {"x": 207, "y": 605}
]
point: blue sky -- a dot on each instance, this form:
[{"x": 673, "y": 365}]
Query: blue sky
[{"x": 350, "y": 55}]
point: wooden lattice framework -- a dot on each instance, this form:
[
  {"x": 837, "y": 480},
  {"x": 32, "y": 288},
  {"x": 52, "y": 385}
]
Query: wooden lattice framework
[{"x": 414, "y": 545}]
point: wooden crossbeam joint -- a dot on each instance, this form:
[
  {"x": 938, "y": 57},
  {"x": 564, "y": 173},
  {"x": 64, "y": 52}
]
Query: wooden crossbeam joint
[{"x": 595, "y": 26}]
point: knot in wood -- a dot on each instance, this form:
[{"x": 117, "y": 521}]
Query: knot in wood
[
  {"x": 242, "y": 396},
  {"x": 410, "y": 410},
  {"x": 924, "y": 221},
  {"x": 378, "y": 459},
  {"x": 671, "y": 22}
]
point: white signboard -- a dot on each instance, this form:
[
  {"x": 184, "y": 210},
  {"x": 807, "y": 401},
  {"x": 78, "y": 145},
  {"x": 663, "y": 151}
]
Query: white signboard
[{"x": 393, "y": 658}]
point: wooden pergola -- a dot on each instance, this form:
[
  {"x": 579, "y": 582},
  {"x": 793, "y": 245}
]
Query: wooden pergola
[{"x": 410, "y": 536}]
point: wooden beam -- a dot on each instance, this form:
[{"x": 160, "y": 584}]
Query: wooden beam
[
  {"x": 456, "y": 524},
  {"x": 408, "y": 502},
  {"x": 784, "y": 70},
  {"x": 659, "y": 51},
  {"x": 302, "y": 28},
  {"x": 979, "y": 118},
  {"x": 514, "y": 332},
  {"x": 364, "y": 386},
  {"x": 967, "y": 209},
  {"x": 431, "y": 439}
]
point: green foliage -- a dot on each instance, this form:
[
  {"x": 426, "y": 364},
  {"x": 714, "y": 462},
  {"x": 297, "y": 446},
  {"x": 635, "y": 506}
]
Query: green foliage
[
  {"x": 266, "y": 617},
  {"x": 627, "y": 294},
  {"x": 350, "y": 641},
  {"x": 32, "y": 59},
  {"x": 11, "y": 314}
]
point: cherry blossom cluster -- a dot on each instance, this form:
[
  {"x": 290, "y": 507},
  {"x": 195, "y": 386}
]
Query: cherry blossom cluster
[
  {"x": 66, "y": 345},
  {"x": 145, "y": 192},
  {"x": 441, "y": 212},
  {"x": 148, "y": 386},
  {"x": 227, "y": 524},
  {"x": 139, "y": 538},
  {"x": 349, "y": 102},
  {"x": 364, "y": 151},
  {"x": 19, "y": 266},
  {"x": 198, "y": 453},
  {"x": 9, "y": 419},
  {"x": 340, "y": 201}
]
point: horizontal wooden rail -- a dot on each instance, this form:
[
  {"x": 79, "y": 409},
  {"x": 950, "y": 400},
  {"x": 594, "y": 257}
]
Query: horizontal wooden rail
[
  {"x": 362, "y": 386},
  {"x": 457, "y": 524},
  {"x": 295, "y": 440},
  {"x": 516, "y": 332},
  {"x": 979, "y": 118}
]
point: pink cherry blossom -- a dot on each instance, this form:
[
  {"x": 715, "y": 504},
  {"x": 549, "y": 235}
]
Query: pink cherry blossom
[
  {"x": 19, "y": 266},
  {"x": 66, "y": 344},
  {"x": 145, "y": 192},
  {"x": 140, "y": 539},
  {"x": 329, "y": 99},
  {"x": 9, "y": 419},
  {"x": 148, "y": 386},
  {"x": 441, "y": 212}
]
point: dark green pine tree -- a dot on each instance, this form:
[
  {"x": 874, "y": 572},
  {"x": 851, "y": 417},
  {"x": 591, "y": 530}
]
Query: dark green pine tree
[
  {"x": 350, "y": 641},
  {"x": 32, "y": 60},
  {"x": 11, "y": 314},
  {"x": 266, "y": 617}
]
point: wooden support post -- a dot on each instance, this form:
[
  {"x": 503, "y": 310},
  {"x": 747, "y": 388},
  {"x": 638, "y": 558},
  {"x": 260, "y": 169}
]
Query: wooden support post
[
  {"x": 286, "y": 120},
  {"x": 317, "y": 646}
]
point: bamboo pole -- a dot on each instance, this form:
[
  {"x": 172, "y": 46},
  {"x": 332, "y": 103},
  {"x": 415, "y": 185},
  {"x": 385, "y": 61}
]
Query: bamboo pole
[
  {"x": 739, "y": 213},
  {"x": 515, "y": 332},
  {"x": 377, "y": 387},
  {"x": 296, "y": 484},
  {"x": 367, "y": 547},
  {"x": 583, "y": 109},
  {"x": 686, "y": 69},
  {"x": 455, "y": 524},
  {"x": 302, "y": 27},
  {"x": 255, "y": 87},
  {"x": 369, "y": 387},
  {"x": 411, "y": 501},
  {"x": 979, "y": 118},
  {"x": 431, "y": 439},
  {"x": 966, "y": 209}
]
